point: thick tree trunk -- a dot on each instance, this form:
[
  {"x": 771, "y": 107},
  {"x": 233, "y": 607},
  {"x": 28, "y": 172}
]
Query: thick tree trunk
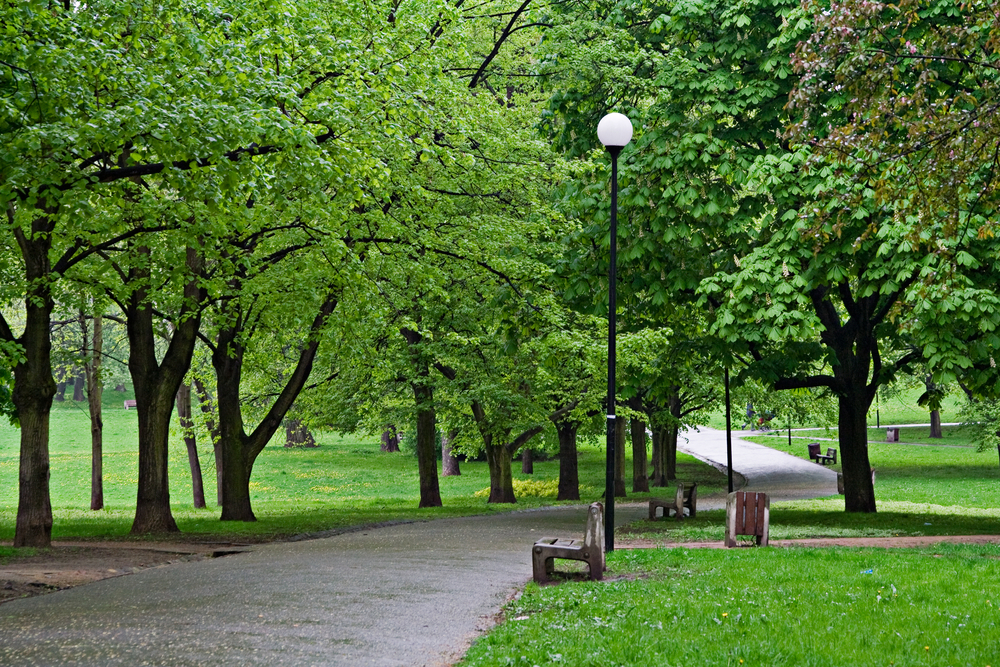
[
  {"x": 95, "y": 391},
  {"x": 449, "y": 464},
  {"x": 298, "y": 434},
  {"x": 34, "y": 388},
  {"x": 527, "y": 462},
  {"x": 859, "y": 491},
  {"x": 659, "y": 477},
  {"x": 156, "y": 386},
  {"x": 390, "y": 439},
  {"x": 187, "y": 428},
  {"x": 620, "y": 458},
  {"x": 669, "y": 453},
  {"x": 430, "y": 492},
  {"x": 501, "y": 478},
  {"x": 211, "y": 420},
  {"x": 569, "y": 476},
  {"x": 936, "y": 424},
  {"x": 119, "y": 387},
  {"x": 60, "y": 392},
  {"x": 640, "y": 481}
]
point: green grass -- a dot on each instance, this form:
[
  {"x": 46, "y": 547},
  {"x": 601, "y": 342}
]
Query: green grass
[
  {"x": 761, "y": 607},
  {"x": 344, "y": 482},
  {"x": 952, "y": 435}
]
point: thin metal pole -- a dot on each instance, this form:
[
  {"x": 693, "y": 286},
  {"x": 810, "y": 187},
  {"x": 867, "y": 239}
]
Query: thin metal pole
[
  {"x": 609, "y": 487},
  {"x": 729, "y": 434},
  {"x": 878, "y": 423},
  {"x": 789, "y": 431}
]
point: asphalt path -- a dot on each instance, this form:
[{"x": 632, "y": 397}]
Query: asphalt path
[{"x": 402, "y": 595}]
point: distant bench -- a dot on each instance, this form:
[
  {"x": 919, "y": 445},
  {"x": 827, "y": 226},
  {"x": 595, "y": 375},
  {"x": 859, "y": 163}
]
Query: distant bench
[
  {"x": 824, "y": 459},
  {"x": 685, "y": 497},
  {"x": 129, "y": 403}
]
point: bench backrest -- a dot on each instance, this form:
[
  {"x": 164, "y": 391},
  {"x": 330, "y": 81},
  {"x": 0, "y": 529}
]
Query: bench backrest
[{"x": 747, "y": 513}]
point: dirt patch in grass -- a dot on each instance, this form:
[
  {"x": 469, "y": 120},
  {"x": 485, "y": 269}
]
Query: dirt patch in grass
[{"x": 69, "y": 564}]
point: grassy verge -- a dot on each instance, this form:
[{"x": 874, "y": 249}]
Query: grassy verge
[
  {"x": 344, "y": 482},
  {"x": 957, "y": 436},
  {"x": 767, "y": 607}
]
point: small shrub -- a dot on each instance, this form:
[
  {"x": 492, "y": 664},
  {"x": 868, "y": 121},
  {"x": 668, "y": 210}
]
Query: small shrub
[{"x": 525, "y": 488}]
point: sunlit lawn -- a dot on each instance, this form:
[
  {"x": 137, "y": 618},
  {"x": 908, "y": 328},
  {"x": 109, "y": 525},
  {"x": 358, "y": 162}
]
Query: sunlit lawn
[{"x": 761, "y": 607}]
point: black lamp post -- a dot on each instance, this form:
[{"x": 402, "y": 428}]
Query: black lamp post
[{"x": 614, "y": 131}]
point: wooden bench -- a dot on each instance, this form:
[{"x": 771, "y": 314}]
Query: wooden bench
[
  {"x": 747, "y": 513},
  {"x": 590, "y": 549},
  {"x": 685, "y": 497},
  {"x": 130, "y": 403},
  {"x": 824, "y": 459}
]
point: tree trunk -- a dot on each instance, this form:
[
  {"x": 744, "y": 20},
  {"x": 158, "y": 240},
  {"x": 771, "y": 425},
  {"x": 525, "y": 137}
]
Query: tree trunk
[
  {"x": 34, "y": 388},
  {"x": 298, "y": 434},
  {"x": 659, "y": 477},
  {"x": 95, "y": 391},
  {"x": 527, "y": 462},
  {"x": 119, "y": 387},
  {"x": 640, "y": 481},
  {"x": 430, "y": 493},
  {"x": 501, "y": 478},
  {"x": 156, "y": 386},
  {"x": 208, "y": 409},
  {"x": 669, "y": 453},
  {"x": 78, "y": 385},
  {"x": 620, "y": 458},
  {"x": 239, "y": 450},
  {"x": 60, "y": 391},
  {"x": 569, "y": 476},
  {"x": 936, "y": 424},
  {"x": 390, "y": 439},
  {"x": 859, "y": 491},
  {"x": 187, "y": 428},
  {"x": 449, "y": 464}
]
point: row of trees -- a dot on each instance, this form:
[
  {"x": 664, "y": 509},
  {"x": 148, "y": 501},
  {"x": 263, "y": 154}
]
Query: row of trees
[{"x": 357, "y": 200}]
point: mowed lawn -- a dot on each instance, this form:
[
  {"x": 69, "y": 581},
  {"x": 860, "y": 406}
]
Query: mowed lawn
[{"x": 346, "y": 481}]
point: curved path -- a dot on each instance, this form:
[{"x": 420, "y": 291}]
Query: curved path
[
  {"x": 780, "y": 475},
  {"x": 410, "y": 594}
]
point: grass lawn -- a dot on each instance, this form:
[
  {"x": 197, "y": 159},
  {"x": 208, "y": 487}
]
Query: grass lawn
[
  {"x": 761, "y": 607},
  {"x": 344, "y": 482}
]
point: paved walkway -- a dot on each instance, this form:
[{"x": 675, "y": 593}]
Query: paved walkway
[
  {"x": 781, "y": 475},
  {"x": 412, "y": 594}
]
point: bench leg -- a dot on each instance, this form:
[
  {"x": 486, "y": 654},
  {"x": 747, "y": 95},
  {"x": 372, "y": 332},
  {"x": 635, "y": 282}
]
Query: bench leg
[{"x": 541, "y": 567}]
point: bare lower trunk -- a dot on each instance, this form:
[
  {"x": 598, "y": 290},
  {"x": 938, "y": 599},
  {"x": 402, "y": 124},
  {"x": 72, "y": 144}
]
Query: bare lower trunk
[
  {"x": 527, "y": 462},
  {"x": 936, "y": 424},
  {"x": 95, "y": 391},
  {"x": 449, "y": 464},
  {"x": 34, "y": 388},
  {"x": 390, "y": 439},
  {"x": 659, "y": 477},
  {"x": 298, "y": 434},
  {"x": 669, "y": 452},
  {"x": 430, "y": 492},
  {"x": 78, "y": 384},
  {"x": 501, "y": 477},
  {"x": 187, "y": 428},
  {"x": 569, "y": 477},
  {"x": 640, "y": 481},
  {"x": 620, "y": 458},
  {"x": 859, "y": 490}
]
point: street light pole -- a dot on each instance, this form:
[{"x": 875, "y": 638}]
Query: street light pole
[{"x": 614, "y": 131}]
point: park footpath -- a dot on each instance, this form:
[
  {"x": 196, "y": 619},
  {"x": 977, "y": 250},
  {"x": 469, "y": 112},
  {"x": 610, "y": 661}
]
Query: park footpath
[{"x": 403, "y": 595}]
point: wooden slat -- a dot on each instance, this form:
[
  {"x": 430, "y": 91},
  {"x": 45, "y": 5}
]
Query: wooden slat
[{"x": 759, "y": 524}]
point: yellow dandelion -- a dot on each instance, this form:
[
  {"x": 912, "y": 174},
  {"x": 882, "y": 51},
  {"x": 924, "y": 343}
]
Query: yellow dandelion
[
  {"x": 724, "y": 614},
  {"x": 927, "y": 648}
]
